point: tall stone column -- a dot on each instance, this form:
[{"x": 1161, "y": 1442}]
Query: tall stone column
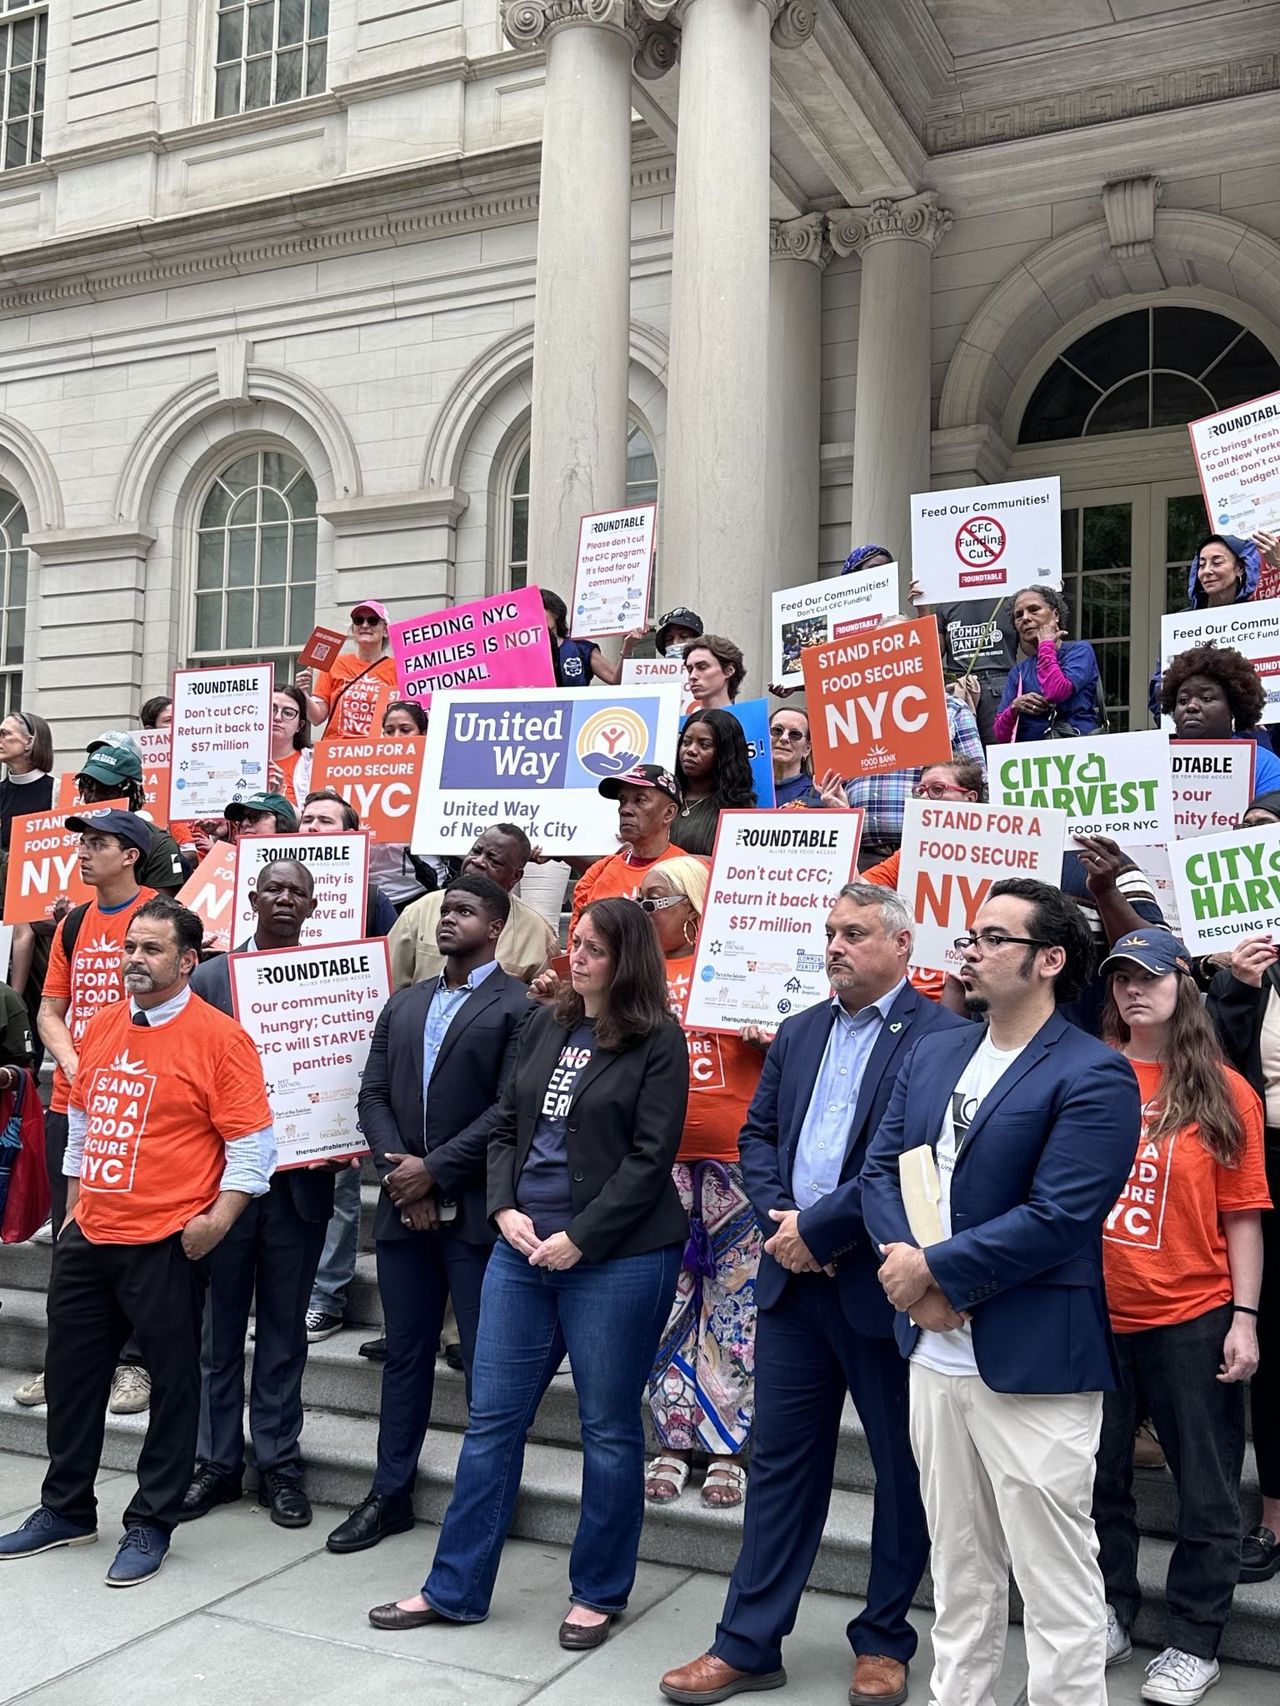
[
  {"x": 798, "y": 253},
  {"x": 895, "y": 240},
  {"x": 715, "y": 549},
  {"x": 578, "y": 454}
]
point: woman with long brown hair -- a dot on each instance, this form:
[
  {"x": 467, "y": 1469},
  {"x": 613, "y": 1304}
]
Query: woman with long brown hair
[{"x": 1182, "y": 1253}]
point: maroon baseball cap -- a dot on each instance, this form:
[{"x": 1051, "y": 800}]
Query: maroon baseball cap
[{"x": 643, "y": 776}]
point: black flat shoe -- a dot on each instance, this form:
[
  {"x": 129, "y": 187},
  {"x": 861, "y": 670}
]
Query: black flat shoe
[
  {"x": 283, "y": 1496},
  {"x": 208, "y": 1488},
  {"x": 371, "y": 1522},
  {"x": 1259, "y": 1556},
  {"x": 581, "y": 1637},
  {"x": 392, "y": 1616}
]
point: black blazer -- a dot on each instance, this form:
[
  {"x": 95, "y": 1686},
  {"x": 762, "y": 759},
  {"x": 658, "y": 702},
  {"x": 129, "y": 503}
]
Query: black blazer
[
  {"x": 1237, "y": 1010},
  {"x": 622, "y": 1135},
  {"x": 474, "y": 1062}
]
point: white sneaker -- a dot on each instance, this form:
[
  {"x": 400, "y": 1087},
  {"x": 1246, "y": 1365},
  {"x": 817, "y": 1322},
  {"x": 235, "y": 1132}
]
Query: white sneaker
[
  {"x": 1119, "y": 1646},
  {"x": 1179, "y": 1678},
  {"x": 130, "y": 1390},
  {"x": 31, "y": 1393},
  {"x": 44, "y": 1235}
]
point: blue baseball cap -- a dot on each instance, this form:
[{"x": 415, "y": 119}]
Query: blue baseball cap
[
  {"x": 127, "y": 827},
  {"x": 1157, "y": 951}
]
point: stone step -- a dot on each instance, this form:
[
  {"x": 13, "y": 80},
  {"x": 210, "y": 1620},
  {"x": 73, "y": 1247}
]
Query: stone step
[{"x": 340, "y": 1460}]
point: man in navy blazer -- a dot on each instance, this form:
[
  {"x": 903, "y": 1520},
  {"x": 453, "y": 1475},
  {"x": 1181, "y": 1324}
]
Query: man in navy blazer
[
  {"x": 1033, "y": 1127},
  {"x": 824, "y": 1327},
  {"x": 440, "y": 1056}
]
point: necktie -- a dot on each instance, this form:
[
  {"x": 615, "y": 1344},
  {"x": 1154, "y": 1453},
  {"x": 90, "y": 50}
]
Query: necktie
[{"x": 140, "y": 1018}]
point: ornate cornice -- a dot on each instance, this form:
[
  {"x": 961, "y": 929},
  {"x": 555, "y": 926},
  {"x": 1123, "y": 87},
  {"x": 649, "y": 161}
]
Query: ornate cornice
[
  {"x": 803, "y": 239},
  {"x": 916, "y": 219}
]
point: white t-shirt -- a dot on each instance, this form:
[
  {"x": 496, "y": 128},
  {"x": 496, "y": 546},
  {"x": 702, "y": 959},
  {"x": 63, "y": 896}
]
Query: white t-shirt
[{"x": 952, "y": 1353}]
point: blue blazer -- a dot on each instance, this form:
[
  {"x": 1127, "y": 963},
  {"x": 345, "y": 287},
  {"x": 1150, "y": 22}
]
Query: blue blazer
[
  {"x": 833, "y": 1227},
  {"x": 1045, "y": 1158}
]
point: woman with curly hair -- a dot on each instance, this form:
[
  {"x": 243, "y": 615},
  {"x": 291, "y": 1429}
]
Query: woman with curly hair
[
  {"x": 1054, "y": 687},
  {"x": 1213, "y": 693},
  {"x": 713, "y": 769}
]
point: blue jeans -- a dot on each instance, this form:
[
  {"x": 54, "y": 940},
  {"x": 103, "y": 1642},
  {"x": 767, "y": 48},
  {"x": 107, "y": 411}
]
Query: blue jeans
[
  {"x": 338, "y": 1258},
  {"x": 608, "y": 1316}
]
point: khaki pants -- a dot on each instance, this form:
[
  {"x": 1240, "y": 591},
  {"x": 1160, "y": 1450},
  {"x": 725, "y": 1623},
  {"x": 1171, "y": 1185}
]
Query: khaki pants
[{"x": 1008, "y": 1479}]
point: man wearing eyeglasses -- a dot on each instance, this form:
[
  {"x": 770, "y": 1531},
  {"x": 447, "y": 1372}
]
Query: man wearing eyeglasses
[
  {"x": 1033, "y": 1127},
  {"x": 884, "y": 798}
]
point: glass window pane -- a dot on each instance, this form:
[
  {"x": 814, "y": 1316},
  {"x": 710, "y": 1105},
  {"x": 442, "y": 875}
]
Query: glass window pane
[
  {"x": 1175, "y": 400},
  {"x": 15, "y": 144},
  {"x": 1247, "y": 370},
  {"x": 318, "y": 22},
  {"x": 302, "y": 614},
  {"x": 289, "y": 76},
  {"x": 15, "y": 630},
  {"x": 278, "y": 469},
  {"x": 1058, "y": 406},
  {"x": 292, "y": 20},
  {"x": 317, "y": 61},
  {"x": 242, "y": 556},
  {"x": 18, "y": 579},
  {"x": 1184, "y": 529},
  {"x": 230, "y": 35},
  {"x": 274, "y": 557},
  {"x": 270, "y": 617},
  {"x": 239, "y": 620},
  {"x": 244, "y": 509},
  {"x": 303, "y": 567},
  {"x": 216, "y": 506},
  {"x": 226, "y": 96},
  {"x": 209, "y": 623},
  {"x": 241, "y": 475},
  {"x": 1189, "y": 339},
  {"x": 257, "y": 84},
  {"x": 1108, "y": 537},
  {"x": 261, "y": 20},
  {"x": 273, "y": 506},
  {"x": 520, "y": 485},
  {"x": 209, "y": 564},
  {"x": 1114, "y": 350},
  {"x": 19, "y": 93},
  {"x": 1126, "y": 409},
  {"x": 22, "y": 41},
  {"x": 302, "y": 497},
  {"x": 519, "y": 530}
]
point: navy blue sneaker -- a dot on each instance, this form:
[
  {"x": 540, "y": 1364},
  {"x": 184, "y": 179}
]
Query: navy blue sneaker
[
  {"x": 41, "y": 1532},
  {"x": 140, "y": 1555}
]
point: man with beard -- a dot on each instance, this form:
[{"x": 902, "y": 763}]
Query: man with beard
[{"x": 1033, "y": 1127}]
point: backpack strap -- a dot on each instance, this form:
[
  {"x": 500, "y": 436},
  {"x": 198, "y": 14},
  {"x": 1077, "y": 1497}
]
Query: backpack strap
[{"x": 71, "y": 927}]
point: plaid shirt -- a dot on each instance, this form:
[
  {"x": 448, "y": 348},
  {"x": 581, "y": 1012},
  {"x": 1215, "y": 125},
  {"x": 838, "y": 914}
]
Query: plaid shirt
[{"x": 884, "y": 798}]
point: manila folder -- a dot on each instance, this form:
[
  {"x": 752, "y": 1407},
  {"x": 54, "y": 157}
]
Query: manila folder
[{"x": 921, "y": 1192}]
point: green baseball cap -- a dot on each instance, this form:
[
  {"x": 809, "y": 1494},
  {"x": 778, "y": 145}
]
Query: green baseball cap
[
  {"x": 285, "y": 816},
  {"x": 111, "y": 764}
]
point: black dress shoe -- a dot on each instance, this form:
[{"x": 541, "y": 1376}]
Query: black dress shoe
[
  {"x": 371, "y": 1522},
  {"x": 453, "y": 1357},
  {"x": 1259, "y": 1556},
  {"x": 581, "y": 1637},
  {"x": 283, "y": 1496},
  {"x": 374, "y": 1349},
  {"x": 208, "y": 1488}
]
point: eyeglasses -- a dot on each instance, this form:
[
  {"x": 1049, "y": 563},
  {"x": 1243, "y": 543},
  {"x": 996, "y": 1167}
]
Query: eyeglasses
[
  {"x": 660, "y": 902},
  {"x": 284, "y": 713},
  {"x": 991, "y": 941},
  {"x": 935, "y": 790},
  {"x": 786, "y": 734}
]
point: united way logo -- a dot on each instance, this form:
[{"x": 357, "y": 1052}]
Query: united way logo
[{"x": 613, "y": 741}]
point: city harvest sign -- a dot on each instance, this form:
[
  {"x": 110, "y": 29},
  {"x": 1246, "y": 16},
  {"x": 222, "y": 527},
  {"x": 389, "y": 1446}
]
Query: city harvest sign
[
  {"x": 1115, "y": 785},
  {"x": 494, "y": 642},
  {"x": 1228, "y": 887},
  {"x": 1253, "y": 630},
  {"x": 615, "y": 562},
  {"x": 1237, "y": 456},
  {"x": 986, "y": 541},
  {"x": 878, "y": 702},
  {"x": 828, "y": 610},
  {"x": 951, "y": 855},
  {"x": 537, "y": 759},
  {"x": 220, "y": 739}
]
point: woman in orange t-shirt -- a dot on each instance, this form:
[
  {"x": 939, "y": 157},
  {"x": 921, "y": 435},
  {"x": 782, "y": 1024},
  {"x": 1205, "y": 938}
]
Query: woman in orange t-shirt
[
  {"x": 702, "y": 1388},
  {"x": 289, "y": 772},
  {"x": 1182, "y": 1255}
]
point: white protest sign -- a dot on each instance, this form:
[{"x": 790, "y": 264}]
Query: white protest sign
[
  {"x": 339, "y": 865},
  {"x": 651, "y": 672},
  {"x": 6, "y": 950},
  {"x": 311, "y": 1014},
  {"x": 761, "y": 950},
  {"x": 953, "y": 851},
  {"x": 1253, "y": 630},
  {"x": 1237, "y": 456},
  {"x": 1228, "y": 887},
  {"x": 615, "y": 562},
  {"x": 220, "y": 740},
  {"x": 536, "y": 757},
  {"x": 828, "y": 610},
  {"x": 1156, "y": 866},
  {"x": 986, "y": 541},
  {"x": 1212, "y": 784},
  {"x": 1115, "y": 785}
]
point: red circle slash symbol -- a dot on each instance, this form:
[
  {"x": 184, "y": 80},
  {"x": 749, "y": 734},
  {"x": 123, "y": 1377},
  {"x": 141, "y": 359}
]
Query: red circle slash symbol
[{"x": 980, "y": 541}]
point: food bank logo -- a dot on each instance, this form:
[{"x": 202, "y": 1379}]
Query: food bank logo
[{"x": 547, "y": 743}]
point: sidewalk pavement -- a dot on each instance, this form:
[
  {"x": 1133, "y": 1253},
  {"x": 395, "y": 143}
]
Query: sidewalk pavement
[{"x": 247, "y": 1614}]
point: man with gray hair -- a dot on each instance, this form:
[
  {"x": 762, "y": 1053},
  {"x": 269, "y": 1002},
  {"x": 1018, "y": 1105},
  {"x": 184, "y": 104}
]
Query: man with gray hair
[{"x": 824, "y": 1328}]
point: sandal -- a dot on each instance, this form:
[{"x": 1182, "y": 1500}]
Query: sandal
[
  {"x": 723, "y": 1477},
  {"x": 664, "y": 1472}
]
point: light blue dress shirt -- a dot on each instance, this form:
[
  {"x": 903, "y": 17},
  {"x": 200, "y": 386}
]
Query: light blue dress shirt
[
  {"x": 441, "y": 1013},
  {"x": 824, "y": 1136}
]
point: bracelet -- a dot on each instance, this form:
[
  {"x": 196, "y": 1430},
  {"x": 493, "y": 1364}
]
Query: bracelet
[{"x": 1244, "y": 1309}]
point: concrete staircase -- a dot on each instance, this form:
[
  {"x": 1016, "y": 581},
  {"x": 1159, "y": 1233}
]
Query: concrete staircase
[{"x": 341, "y": 1392}]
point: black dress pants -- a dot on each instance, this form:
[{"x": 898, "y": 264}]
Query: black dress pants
[
  {"x": 97, "y": 1294},
  {"x": 55, "y": 1147}
]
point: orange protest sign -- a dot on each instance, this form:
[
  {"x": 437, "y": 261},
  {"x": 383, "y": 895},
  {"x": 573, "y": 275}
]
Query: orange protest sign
[
  {"x": 155, "y": 775},
  {"x": 877, "y": 701},
  {"x": 43, "y": 865},
  {"x": 66, "y": 796},
  {"x": 380, "y": 778},
  {"x": 210, "y": 894}
]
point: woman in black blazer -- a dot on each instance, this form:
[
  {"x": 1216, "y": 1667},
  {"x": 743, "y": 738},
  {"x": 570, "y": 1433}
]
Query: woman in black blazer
[{"x": 592, "y": 1233}]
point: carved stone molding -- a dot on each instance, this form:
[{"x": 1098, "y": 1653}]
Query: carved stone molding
[
  {"x": 794, "y": 23},
  {"x": 803, "y": 239},
  {"x": 916, "y": 218},
  {"x": 1130, "y": 208},
  {"x": 654, "y": 41}
]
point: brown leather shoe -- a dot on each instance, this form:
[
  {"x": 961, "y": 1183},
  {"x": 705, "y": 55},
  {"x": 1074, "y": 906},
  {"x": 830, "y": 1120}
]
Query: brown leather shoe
[
  {"x": 582, "y": 1637},
  {"x": 878, "y": 1681},
  {"x": 393, "y": 1616},
  {"x": 709, "y": 1679}
]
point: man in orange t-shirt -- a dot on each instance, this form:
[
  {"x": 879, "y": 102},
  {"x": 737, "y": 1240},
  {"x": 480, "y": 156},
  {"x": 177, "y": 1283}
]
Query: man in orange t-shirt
[
  {"x": 169, "y": 1139},
  {"x": 648, "y": 797}
]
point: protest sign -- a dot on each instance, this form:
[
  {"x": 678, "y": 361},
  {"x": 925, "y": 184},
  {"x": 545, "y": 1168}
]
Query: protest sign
[
  {"x": 986, "y": 541},
  {"x": 877, "y": 702},
  {"x": 1115, "y": 785},
  {"x": 1212, "y": 784},
  {"x": 753, "y": 714},
  {"x": 6, "y": 950},
  {"x": 761, "y": 950},
  {"x": 651, "y": 672},
  {"x": 1228, "y": 886},
  {"x": 210, "y": 893},
  {"x": 536, "y": 758},
  {"x": 311, "y": 1013},
  {"x": 1253, "y": 630},
  {"x": 154, "y": 745},
  {"x": 338, "y": 863},
  {"x": 494, "y": 642},
  {"x": 828, "y": 610},
  {"x": 220, "y": 738},
  {"x": 953, "y": 851},
  {"x": 615, "y": 563},
  {"x": 44, "y": 864},
  {"x": 322, "y": 648},
  {"x": 1237, "y": 456},
  {"x": 380, "y": 778}
]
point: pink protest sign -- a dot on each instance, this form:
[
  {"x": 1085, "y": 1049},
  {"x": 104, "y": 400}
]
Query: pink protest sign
[{"x": 496, "y": 642}]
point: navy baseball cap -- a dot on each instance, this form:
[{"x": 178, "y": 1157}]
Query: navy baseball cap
[
  {"x": 643, "y": 776},
  {"x": 1155, "y": 951},
  {"x": 127, "y": 827}
]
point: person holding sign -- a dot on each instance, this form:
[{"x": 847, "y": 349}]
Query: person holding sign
[
  {"x": 1224, "y": 571},
  {"x": 1182, "y": 1253},
  {"x": 713, "y": 769},
  {"x": 582, "y": 661},
  {"x": 884, "y": 797},
  {"x": 351, "y": 697},
  {"x": 1054, "y": 687},
  {"x": 1029, "y": 1129},
  {"x": 1213, "y": 693}
]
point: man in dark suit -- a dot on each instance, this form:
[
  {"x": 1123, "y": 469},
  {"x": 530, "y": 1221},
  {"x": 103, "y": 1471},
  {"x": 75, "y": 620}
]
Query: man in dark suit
[
  {"x": 824, "y": 1328},
  {"x": 440, "y": 1056},
  {"x": 1033, "y": 1126},
  {"x": 272, "y": 1250}
]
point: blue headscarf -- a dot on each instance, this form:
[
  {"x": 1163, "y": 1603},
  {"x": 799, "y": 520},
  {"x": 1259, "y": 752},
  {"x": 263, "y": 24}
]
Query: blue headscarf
[
  {"x": 858, "y": 556},
  {"x": 1250, "y": 561}
]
